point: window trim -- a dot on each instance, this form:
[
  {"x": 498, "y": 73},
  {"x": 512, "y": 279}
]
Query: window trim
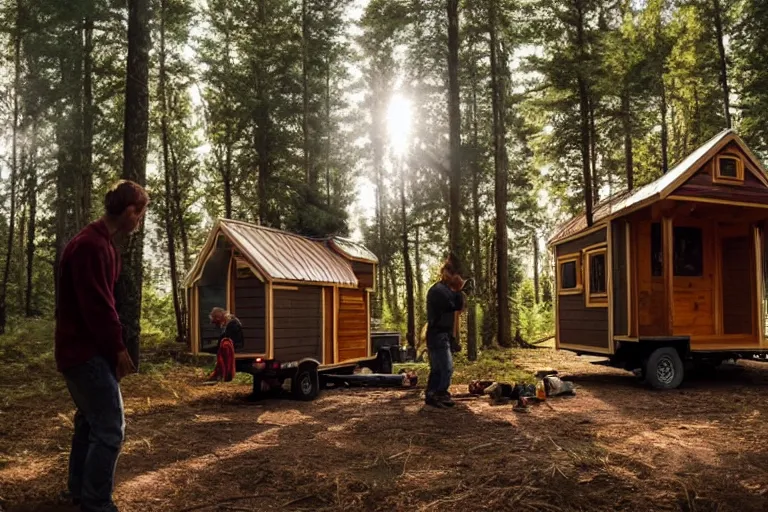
[
  {"x": 729, "y": 180},
  {"x": 568, "y": 258},
  {"x": 599, "y": 299}
]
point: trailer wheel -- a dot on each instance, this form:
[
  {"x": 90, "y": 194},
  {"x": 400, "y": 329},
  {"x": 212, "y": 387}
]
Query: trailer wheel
[
  {"x": 664, "y": 368},
  {"x": 306, "y": 384}
]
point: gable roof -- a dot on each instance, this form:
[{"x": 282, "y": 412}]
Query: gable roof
[
  {"x": 625, "y": 202},
  {"x": 279, "y": 256},
  {"x": 352, "y": 250}
]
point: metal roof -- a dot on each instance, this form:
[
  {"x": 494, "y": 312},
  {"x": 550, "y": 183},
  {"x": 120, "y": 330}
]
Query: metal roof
[
  {"x": 353, "y": 250},
  {"x": 279, "y": 256},
  {"x": 622, "y": 202}
]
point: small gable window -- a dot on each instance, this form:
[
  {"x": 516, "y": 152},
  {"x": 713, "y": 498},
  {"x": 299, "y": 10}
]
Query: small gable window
[{"x": 729, "y": 169}]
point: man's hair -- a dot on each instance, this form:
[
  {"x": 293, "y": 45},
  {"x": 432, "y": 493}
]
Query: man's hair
[
  {"x": 451, "y": 264},
  {"x": 220, "y": 311},
  {"x": 125, "y": 193}
]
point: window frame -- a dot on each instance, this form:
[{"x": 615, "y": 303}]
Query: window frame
[
  {"x": 596, "y": 299},
  {"x": 568, "y": 258},
  {"x": 717, "y": 177}
]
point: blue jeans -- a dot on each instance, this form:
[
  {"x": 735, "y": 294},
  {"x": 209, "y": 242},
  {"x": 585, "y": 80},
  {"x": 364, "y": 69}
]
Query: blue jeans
[
  {"x": 440, "y": 367},
  {"x": 99, "y": 434}
]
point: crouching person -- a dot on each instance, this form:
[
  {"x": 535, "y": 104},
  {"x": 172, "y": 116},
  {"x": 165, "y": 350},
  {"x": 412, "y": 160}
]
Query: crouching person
[{"x": 230, "y": 340}]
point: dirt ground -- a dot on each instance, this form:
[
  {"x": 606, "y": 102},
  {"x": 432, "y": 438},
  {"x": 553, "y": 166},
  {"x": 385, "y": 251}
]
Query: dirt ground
[{"x": 614, "y": 446}]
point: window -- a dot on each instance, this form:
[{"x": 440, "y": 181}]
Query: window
[
  {"x": 688, "y": 252},
  {"x": 657, "y": 254},
  {"x": 729, "y": 169},
  {"x": 569, "y": 274},
  {"x": 597, "y": 280}
]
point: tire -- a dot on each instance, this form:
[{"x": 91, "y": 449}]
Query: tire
[
  {"x": 257, "y": 394},
  {"x": 306, "y": 385},
  {"x": 664, "y": 368}
]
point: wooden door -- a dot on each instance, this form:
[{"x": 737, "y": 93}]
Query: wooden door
[
  {"x": 737, "y": 290},
  {"x": 694, "y": 270},
  {"x": 651, "y": 305}
]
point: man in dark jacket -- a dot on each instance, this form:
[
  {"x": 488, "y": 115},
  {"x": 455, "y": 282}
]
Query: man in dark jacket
[
  {"x": 89, "y": 346},
  {"x": 230, "y": 327},
  {"x": 444, "y": 299}
]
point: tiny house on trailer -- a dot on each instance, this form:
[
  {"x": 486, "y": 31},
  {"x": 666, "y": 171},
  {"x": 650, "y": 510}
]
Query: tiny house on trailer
[
  {"x": 671, "y": 272},
  {"x": 304, "y": 303}
]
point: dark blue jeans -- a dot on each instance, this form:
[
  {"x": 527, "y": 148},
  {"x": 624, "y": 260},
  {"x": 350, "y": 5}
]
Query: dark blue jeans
[
  {"x": 440, "y": 367},
  {"x": 99, "y": 434}
]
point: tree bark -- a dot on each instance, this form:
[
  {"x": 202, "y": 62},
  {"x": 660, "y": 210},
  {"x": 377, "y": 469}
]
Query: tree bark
[
  {"x": 596, "y": 185},
  {"x": 717, "y": 12},
  {"x": 262, "y": 138},
  {"x": 129, "y": 287},
  {"x": 503, "y": 335},
  {"x": 14, "y": 168},
  {"x": 31, "y": 226},
  {"x": 309, "y": 173},
  {"x": 87, "y": 157},
  {"x": 476, "y": 212},
  {"x": 417, "y": 276},
  {"x": 664, "y": 136},
  {"x": 409, "y": 300},
  {"x": 454, "y": 124},
  {"x": 626, "y": 123},
  {"x": 583, "y": 86},
  {"x": 169, "y": 205},
  {"x": 536, "y": 287}
]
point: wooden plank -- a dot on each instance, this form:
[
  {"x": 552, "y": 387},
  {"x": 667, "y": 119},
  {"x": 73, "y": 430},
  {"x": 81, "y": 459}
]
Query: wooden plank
[{"x": 668, "y": 273}]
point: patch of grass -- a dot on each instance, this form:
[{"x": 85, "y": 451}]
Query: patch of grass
[{"x": 490, "y": 365}]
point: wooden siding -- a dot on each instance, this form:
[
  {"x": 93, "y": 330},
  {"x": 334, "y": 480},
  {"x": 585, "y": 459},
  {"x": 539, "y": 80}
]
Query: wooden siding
[
  {"x": 737, "y": 300},
  {"x": 298, "y": 323},
  {"x": 577, "y": 245},
  {"x": 700, "y": 184},
  {"x": 694, "y": 296},
  {"x": 352, "y": 325},
  {"x": 364, "y": 273},
  {"x": 651, "y": 305},
  {"x": 578, "y": 324},
  {"x": 619, "y": 270},
  {"x": 328, "y": 327},
  {"x": 250, "y": 308}
]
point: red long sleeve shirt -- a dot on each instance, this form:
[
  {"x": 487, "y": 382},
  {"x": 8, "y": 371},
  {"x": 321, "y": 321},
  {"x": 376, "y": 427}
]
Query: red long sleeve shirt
[{"x": 87, "y": 323}]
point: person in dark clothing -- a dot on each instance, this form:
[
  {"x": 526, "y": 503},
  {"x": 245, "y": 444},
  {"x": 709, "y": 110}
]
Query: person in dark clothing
[
  {"x": 230, "y": 327},
  {"x": 89, "y": 349},
  {"x": 444, "y": 299}
]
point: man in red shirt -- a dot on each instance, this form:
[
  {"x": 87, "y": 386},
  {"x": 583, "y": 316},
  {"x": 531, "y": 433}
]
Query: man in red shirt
[{"x": 89, "y": 346}]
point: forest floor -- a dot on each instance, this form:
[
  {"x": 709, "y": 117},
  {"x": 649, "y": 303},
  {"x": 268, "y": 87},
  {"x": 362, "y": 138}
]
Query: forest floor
[{"x": 614, "y": 446}]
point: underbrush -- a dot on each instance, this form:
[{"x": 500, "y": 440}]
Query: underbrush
[{"x": 490, "y": 365}]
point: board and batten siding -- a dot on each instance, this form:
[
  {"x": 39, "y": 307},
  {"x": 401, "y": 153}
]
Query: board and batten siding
[
  {"x": 298, "y": 323},
  {"x": 579, "y": 325},
  {"x": 250, "y": 309},
  {"x": 364, "y": 273},
  {"x": 620, "y": 278},
  {"x": 353, "y": 325}
]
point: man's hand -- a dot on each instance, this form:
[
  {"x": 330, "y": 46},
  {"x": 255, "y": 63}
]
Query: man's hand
[{"x": 124, "y": 365}]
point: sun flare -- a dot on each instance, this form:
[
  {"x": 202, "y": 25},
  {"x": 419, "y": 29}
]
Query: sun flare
[{"x": 399, "y": 124}]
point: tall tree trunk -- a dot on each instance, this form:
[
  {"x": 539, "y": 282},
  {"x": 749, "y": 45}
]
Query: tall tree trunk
[
  {"x": 308, "y": 172},
  {"x": 489, "y": 324},
  {"x": 263, "y": 125},
  {"x": 504, "y": 335},
  {"x": 178, "y": 212},
  {"x": 31, "y": 226},
  {"x": 476, "y": 212},
  {"x": 169, "y": 206},
  {"x": 394, "y": 306},
  {"x": 327, "y": 132},
  {"x": 409, "y": 300},
  {"x": 536, "y": 287},
  {"x": 717, "y": 12},
  {"x": 14, "y": 167},
  {"x": 583, "y": 86},
  {"x": 596, "y": 185},
  {"x": 626, "y": 123},
  {"x": 454, "y": 128},
  {"x": 664, "y": 136},
  {"x": 129, "y": 289},
  {"x": 417, "y": 275},
  {"x": 87, "y": 157}
]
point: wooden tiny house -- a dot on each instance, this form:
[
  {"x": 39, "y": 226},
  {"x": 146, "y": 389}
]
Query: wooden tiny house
[
  {"x": 670, "y": 271},
  {"x": 297, "y": 298}
]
